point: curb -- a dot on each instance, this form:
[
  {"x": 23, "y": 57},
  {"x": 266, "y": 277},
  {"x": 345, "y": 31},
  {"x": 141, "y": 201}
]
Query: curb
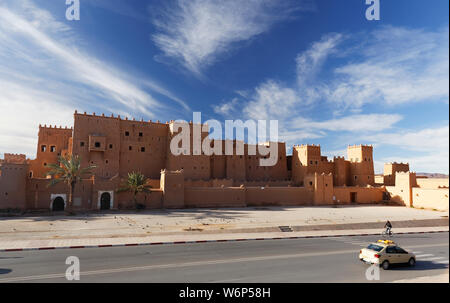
[{"x": 209, "y": 241}]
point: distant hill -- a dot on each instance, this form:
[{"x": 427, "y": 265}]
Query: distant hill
[{"x": 432, "y": 175}]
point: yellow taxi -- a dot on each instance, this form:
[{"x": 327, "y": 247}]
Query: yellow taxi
[{"x": 386, "y": 252}]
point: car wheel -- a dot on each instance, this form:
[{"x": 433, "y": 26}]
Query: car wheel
[
  {"x": 412, "y": 262},
  {"x": 385, "y": 265}
]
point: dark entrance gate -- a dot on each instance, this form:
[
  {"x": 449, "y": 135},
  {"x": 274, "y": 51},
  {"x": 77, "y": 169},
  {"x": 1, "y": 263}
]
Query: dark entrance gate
[
  {"x": 105, "y": 201},
  {"x": 58, "y": 204},
  {"x": 353, "y": 197}
]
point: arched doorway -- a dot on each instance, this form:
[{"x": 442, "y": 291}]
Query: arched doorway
[
  {"x": 105, "y": 201},
  {"x": 58, "y": 204}
]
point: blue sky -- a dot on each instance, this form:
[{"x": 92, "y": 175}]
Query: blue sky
[{"x": 328, "y": 75}]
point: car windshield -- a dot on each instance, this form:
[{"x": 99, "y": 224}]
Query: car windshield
[{"x": 375, "y": 247}]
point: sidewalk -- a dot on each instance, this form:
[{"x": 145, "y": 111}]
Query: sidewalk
[
  {"x": 21, "y": 245},
  {"x": 200, "y": 225}
]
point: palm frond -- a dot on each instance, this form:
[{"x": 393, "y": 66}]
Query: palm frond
[
  {"x": 135, "y": 183},
  {"x": 68, "y": 171}
]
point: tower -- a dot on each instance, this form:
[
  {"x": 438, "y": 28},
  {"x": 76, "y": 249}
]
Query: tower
[
  {"x": 361, "y": 165},
  {"x": 390, "y": 169},
  {"x": 305, "y": 160}
]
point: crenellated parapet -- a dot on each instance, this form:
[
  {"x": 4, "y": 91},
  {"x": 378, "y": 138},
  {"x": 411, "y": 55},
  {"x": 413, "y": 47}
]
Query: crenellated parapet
[
  {"x": 307, "y": 146},
  {"x": 15, "y": 158},
  {"x": 360, "y": 146},
  {"x": 118, "y": 117},
  {"x": 51, "y": 127}
]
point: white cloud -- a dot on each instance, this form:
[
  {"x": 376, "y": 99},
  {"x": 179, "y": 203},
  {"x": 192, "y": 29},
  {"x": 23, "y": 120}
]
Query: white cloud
[
  {"x": 227, "y": 108},
  {"x": 352, "y": 123},
  {"x": 387, "y": 67},
  {"x": 197, "y": 32},
  {"x": 44, "y": 77},
  {"x": 398, "y": 66},
  {"x": 271, "y": 101},
  {"x": 310, "y": 62},
  {"x": 20, "y": 118},
  {"x": 435, "y": 162},
  {"x": 275, "y": 100},
  {"x": 429, "y": 140},
  {"x": 425, "y": 150}
]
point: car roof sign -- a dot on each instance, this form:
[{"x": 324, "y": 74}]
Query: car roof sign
[{"x": 388, "y": 242}]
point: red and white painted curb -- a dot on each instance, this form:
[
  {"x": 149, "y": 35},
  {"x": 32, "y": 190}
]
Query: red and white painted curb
[{"x": 209, "y": 241}]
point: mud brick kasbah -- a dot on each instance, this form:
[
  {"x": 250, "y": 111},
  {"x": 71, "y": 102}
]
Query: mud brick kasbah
[{"x": 119, "y": 146}]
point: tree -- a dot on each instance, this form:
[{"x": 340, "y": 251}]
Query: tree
[
  {"x": 70, "y": 172},
  {"x": 136, "y": 183}
]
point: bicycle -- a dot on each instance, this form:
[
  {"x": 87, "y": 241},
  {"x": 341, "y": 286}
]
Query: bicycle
[{"x": 387, "y": 234}]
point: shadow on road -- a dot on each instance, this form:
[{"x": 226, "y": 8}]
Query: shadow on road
[
  {"x": 420, "y": 265},
  {"x": 4, "y": 271}
]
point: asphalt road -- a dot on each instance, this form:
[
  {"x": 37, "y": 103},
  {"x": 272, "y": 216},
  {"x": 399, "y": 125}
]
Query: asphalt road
[{"x": 292, "y": 261}]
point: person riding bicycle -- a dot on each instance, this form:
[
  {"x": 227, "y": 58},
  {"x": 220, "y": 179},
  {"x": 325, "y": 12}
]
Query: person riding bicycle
[{"x": 388, "y": 227}]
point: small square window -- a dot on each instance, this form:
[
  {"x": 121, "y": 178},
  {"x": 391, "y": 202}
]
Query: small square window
[
  {"x": 44, "y": 148},
  {"x": 130, "y": 148},
  {"x": 52, "y": 149},
  {"x": 127, "y": 134},
  {"x": 110, "y": 146},
  {"x": 141, "y": 134},
  {"x": 81, "y": 144},
  {"x": 97, "y": 144},
  {"x": 143, "y": 149}
]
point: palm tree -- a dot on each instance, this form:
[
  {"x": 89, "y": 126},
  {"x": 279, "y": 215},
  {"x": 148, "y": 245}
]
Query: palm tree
[
  {"x": 135, "y": 183},
  {"x": 70, "y": 172}
]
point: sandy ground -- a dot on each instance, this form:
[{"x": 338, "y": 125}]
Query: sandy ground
[{"x": 145, "y": 223}]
